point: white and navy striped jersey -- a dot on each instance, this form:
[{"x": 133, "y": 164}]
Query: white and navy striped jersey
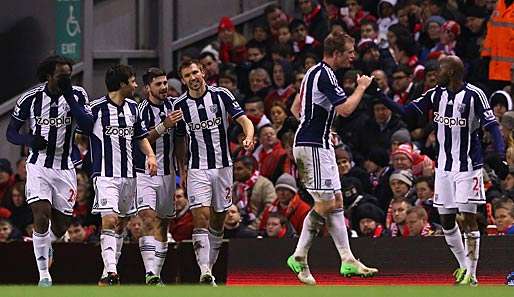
[
  {"x": 151, "y": 115},
  {"x": 50, "y": 117},
  {"x": 116, "y": 130},
  {"x": 205, "y": 120},
  {"x": 320, "y": 94},
  {"x": 457, "y": 119}
]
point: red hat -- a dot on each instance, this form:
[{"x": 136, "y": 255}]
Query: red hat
[
  {"x": 226, "y": 24},
  {"x": 452, "y": 26},
  {"x": 405, "y": 149}
]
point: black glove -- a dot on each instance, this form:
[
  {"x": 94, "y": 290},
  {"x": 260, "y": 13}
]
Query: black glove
[
  {"x": 64, "y": 84},
  {"x": 373, "y": 89},
  {"x": 499, "y": 166},
  {"x": 38, "y": 143}
]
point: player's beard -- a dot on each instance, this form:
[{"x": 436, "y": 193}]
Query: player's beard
[
  {"x": 195, "y": 84},
  {"x": 159, "y": 95}
]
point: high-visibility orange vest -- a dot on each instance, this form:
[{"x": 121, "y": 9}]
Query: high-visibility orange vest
[{"x": 499, "y": 42}]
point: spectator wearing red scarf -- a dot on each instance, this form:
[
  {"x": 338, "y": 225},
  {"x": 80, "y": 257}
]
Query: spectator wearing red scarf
[
  {"x": 417, "y": 221},
  {"x": 269, "y": 153},
  {"x": 398, "y": 227},
  {"x": 181, "y": 227},
  {"x": 314, "y": 18},
  {"x": 288, "y": 203},
  {"x": 232, "y": 44},
  {"x": 251, "y": 192}
]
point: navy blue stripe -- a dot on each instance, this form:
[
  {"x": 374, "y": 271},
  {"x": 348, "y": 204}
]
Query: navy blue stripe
[
  {"x": 464, "y": 133},
  {"x": 328, "y": 124},
  {"x": 448, "y": 112},
  {"x": 106, "y": 144},
  {"x": 221, "y": 128},
  {"x": 202, "y": 113},
  {"x": 152, "y": 123},
  {"x": 38, "y": 107},
  {"x": 52, "y": 134},
  {"x": 193, "y": 143}
]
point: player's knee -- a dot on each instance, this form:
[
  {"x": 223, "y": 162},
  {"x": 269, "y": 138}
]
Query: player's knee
[
  {"x": 41, "y": 223},
  {"x": 448, "y": 222},
  {"x": 109, "y": 221}
]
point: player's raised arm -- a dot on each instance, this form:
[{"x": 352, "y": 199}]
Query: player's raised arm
[
  {"x": 79, "y": 108},
  {"x": 353, "y": 101}
]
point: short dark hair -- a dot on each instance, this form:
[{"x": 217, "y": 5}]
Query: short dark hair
[
  {"x": 254, "y": 99},
  {"x": 255, "y": 44},
  {"x": 336, "y": 41},
  {"x": 281, "y": 217},
  {"x": 295, "y": 23},
  {"x": 271, "y": 8},
  {"x": 152, "y": 73},
  {"x": 186, "y": 64},
  {"x": 47, "y": 66},
  {"x": 228, "y": 74},
  {"x": 427, "y": 179},
  {"x": 365, "y": 22},
  {"x": 76, "y": 222},
  {"x": 403, "y": 68},
  {"x": 207, "y": 54},
  {"x": 420, "y": 212},
  {"x": 248, "y": 161},
  {"x": 283, "y": 50},
  {"x": 116, "y": 75}
]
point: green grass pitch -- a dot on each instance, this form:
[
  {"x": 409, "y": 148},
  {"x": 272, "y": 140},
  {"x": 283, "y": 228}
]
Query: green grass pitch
[{"x": 258, "y": 291}]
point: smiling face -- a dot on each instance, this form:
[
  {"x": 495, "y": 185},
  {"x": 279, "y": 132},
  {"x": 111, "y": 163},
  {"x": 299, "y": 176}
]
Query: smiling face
[
  {"x": 128, "y": 90},
  {"x": 158, "y": 88},
  {"x": 193, "y": 77}
]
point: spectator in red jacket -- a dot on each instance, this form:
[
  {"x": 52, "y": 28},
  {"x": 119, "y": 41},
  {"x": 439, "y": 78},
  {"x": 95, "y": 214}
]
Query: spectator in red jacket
[
  {"x": 398, "y": 225},
  {"x": 278, "y": 227},
  {"x": 232, "y": 44},
  {"x": 181, "y": 227},
  {"x": 288, "y": 203},
  {"x": 269, "y": 153}
]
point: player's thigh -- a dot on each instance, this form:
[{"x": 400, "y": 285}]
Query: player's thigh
[
  {"x": 147, "y": 187},
  {"x": 470, "y": 187},
  {"x": 444, "y": 190},
  {"x": 107, "y": 194},
  {"x": 221, "y": 180},
  {"x": 127, "y": 199},
  {"x": 64, "y": 190},
  {"x": 37, "y": 186},
  {"x": 199, "y": 188},
  {"x": 165, "y": 204},
  {"x": 318, "y": 171}
]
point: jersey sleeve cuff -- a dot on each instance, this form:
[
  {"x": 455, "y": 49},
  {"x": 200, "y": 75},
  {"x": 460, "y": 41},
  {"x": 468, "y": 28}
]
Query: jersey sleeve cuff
[
  {"x": 237, "y": 115},
  {"x": 339, "y": 102},
  {"x": 141, "y": 135},
  {"x": 17, "y": 118}
]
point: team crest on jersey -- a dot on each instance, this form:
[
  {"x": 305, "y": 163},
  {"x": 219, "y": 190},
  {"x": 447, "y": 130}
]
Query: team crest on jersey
[
  {"x": 192, "y": 198},
  {"x": 213, "y": 108},
  {"x": 461, "y": 107},
  {"x": 328, "y": 182},
  {"x": 104, "y": 202},
  {"x": 133, "y": 118}
]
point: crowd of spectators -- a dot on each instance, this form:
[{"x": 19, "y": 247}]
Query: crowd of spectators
[{"x": 386, "y": 164}]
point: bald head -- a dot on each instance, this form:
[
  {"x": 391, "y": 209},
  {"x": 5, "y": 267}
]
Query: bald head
[{"x": 455, "y": 65}]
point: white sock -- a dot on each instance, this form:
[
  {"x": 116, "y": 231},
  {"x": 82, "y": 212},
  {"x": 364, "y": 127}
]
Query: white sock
[
  {"x": 215, "y": 240},
  {"x": 454, "y": 240},
  {"x": 119, "y": 245},
  {"x": 42, "y": 243},
  {"x": 108, "y": 246},
  {"x": 53, "y": 237},
  {"x": 201, "y": 246},
  {"x": 312, "y": 224},
  {"x": 336, "y": 226},
  {"x": 147, "y": 248},
  {"x": 472, "y": 240},
  {"x": 161, "y": 249}
]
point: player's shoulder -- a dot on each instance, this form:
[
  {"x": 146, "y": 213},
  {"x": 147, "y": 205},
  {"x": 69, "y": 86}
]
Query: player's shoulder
[
  {"x": 98, "y": 102},
  {"x": 79, "y": 89},
  {"x": 180, "y": 100},
  {"x": 430, "y": 91},
  {"x": 131, "y": 101},
  {"x": 476, "y": 90},
  {"x": 31, "y": 94}
]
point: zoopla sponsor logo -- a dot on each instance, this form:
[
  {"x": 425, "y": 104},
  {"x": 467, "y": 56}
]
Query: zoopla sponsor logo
[
  {"x": 204, "y": 124},
  {"x": 56, "y": 122},
  {"x": 117, "y": 131},
  {"x": 449, "y": 121}
]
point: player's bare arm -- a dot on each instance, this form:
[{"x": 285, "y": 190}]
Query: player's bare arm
[
  {"x": 181, "y": 156},
  {"x": 151, "y": 161},
  {"x": 353, "y": 101},
  {"x": 159, "y": 130},
  {"x": 248, "y": 130}
]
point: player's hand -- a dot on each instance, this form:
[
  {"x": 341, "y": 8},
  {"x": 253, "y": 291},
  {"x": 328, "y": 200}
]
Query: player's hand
[
  {"x": 173, "y": 118},
  {"x": 364, "y": 81},
  {"x": 64, "y": 84},
  {"x": 248, "y": 144},
  {"x": 151, "y": 165},
  {"x": 373, "y": 89},
  {"x": 38, "y": 143}
]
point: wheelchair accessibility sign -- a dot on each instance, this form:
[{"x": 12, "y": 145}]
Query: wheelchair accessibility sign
[{"x": 68, "y": 28}]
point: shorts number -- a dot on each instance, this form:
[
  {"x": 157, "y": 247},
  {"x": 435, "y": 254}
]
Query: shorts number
[
  {"x": 73, "y": 195},
  {"x": 227, "y": 197},
  {"x": 475, "y": 184}
]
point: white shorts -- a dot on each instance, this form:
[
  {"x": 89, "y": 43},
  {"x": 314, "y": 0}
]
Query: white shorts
[
  {"x": 458, "y": 191},
  {"x": 210, "y": 187},
  {"x": 57, "y": 186},
  {"x": 318, "y": 171},
  {"x": 156, "y": 193},
  {"x": 115, "y": 195}
]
